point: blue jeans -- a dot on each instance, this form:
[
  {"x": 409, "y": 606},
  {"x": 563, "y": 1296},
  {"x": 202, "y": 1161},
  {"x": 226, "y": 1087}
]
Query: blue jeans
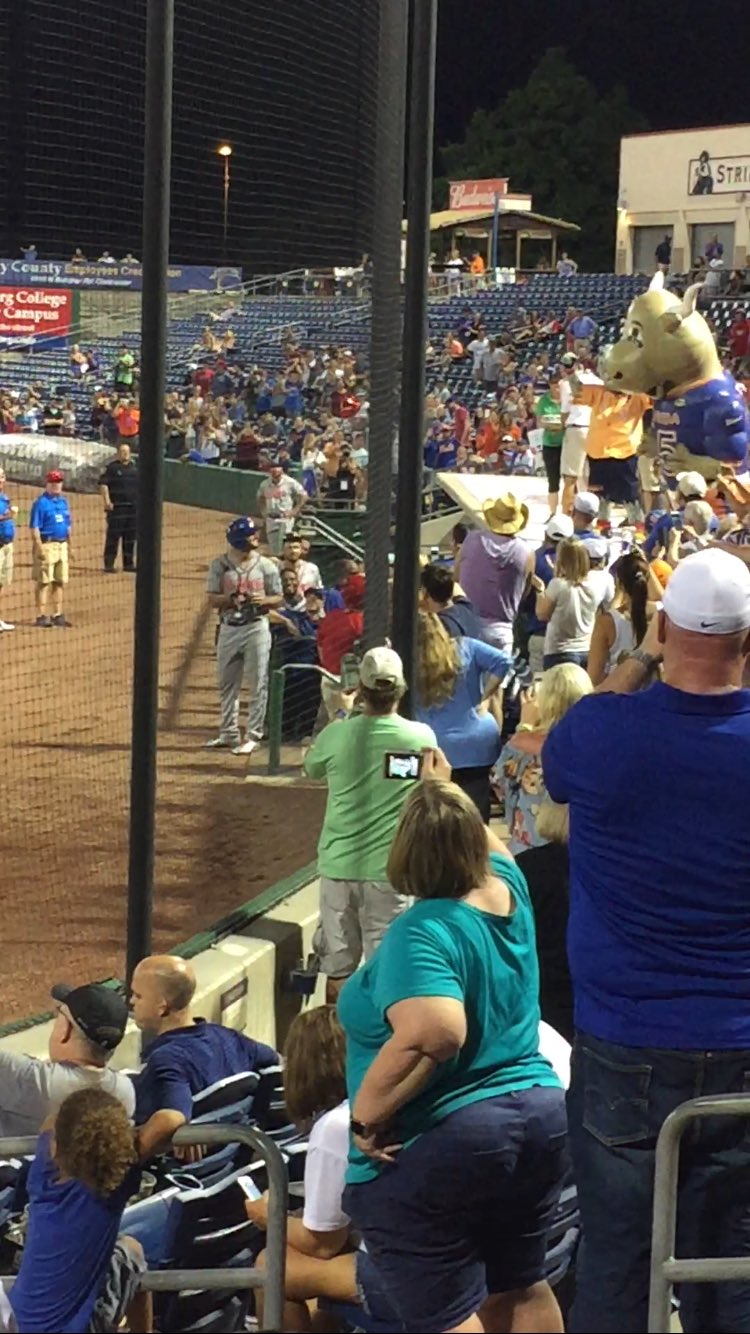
[
  {"x": 618, "y": 1099},
  {"x": 558, "y": 659}
]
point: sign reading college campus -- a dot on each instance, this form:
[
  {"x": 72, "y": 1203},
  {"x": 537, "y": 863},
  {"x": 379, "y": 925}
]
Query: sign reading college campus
[
  {"x": 466, "y": 195},
  {"x": 30, "y": 313},
  {"x": 709, "y": 175},
  {"x": 129, "y": 277}
]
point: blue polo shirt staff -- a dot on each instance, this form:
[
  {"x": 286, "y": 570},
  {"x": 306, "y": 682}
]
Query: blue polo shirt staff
[
  {"x": 51, "y": 522},
  {"x": 7, "y": 534}
]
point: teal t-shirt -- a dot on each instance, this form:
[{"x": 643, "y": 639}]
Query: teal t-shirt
[
  {"x": 363, "y": 805},
  {"x": 444, "y": 947}
]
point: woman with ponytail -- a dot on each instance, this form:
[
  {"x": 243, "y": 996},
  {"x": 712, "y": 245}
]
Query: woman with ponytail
[{"x": 621, "y": 629}]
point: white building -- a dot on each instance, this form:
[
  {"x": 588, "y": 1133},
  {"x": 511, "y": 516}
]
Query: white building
[{"x": 690, "y": 185}]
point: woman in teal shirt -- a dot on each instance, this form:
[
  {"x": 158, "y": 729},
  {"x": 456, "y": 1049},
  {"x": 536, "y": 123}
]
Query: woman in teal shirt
[{"x": 458, "y": 1122}]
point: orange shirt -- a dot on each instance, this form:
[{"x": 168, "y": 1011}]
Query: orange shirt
[
  {"x": 128, "y": 421},
  {"x": 477, "y": 265},
  {"x": 616, "y": 427}
]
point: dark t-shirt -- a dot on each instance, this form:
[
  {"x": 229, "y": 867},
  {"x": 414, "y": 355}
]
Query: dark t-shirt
[
  {"x": 546, "y": 871},
  {"x": 461, "y": 620},
  {"x": 186, "y": 1061},
  {"x": 121, "y": 480}
]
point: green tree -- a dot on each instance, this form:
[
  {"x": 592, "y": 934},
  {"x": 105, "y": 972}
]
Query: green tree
[{"x": 558, "y": 140}]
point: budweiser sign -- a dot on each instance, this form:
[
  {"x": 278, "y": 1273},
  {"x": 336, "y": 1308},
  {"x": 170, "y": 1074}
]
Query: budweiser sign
[{"x": 476, "y": 194}]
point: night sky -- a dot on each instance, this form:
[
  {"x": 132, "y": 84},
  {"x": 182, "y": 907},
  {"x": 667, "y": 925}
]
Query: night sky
[{"x": 682, "y": 63}]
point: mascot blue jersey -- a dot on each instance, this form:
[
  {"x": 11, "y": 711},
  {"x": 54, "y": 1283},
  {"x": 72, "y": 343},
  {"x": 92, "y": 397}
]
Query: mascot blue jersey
[{"x": 711, "y": 419}]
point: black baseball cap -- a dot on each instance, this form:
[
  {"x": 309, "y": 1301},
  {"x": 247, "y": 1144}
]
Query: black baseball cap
[{"x": 100, "y": 1012}]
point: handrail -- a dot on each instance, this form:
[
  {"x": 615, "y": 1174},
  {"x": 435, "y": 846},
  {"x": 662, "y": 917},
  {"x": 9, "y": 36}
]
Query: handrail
[
  {"x": 665, "y": 1269},
  {"x": 178, "y": 1280},
  {"x": 331, "y": 535}
]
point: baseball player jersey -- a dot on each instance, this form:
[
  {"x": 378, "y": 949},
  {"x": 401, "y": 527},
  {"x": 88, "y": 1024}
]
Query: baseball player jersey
[
  {"x": 256, "y": 577},
  {"x": 710, "y": 419}
]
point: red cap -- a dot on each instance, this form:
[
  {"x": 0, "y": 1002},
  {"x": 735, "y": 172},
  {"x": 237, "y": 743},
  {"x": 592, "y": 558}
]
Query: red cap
[
  {"x": 55, "y": 476},
  {"x": 353, "y": 592}
]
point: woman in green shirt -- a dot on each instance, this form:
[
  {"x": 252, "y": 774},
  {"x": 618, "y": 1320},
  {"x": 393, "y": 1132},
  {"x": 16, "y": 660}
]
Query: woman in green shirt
[
  {"x": 458, "y": 1122},
  {"x": 549, "y": 418}
]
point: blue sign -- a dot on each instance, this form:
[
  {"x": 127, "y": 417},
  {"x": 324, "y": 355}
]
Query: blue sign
[{"x": 128, "y": 277}]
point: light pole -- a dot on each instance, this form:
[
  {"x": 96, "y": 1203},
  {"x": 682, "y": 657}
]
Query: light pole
[{"x": 225, "y": 152}]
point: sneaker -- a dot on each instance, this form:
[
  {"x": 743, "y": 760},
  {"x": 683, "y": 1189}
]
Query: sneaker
[
  {"x": 219, "y": 743},
  {"x": 44, "y": 622},
  {"x": 6, "y": 625},
  {"x": 60, "y": 623},
  {"x": 246, "y": 748}
]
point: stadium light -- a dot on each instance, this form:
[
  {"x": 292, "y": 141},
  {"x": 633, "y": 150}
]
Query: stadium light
[{"x": 225, "y": 151}]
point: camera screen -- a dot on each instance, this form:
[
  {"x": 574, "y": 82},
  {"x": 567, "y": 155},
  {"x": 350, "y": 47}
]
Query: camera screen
[{"x": 403, "y": 764}]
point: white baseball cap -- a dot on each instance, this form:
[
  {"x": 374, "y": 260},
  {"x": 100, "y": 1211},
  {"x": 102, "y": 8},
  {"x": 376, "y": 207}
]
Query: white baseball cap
[
  {"x": 381, "y": 667},
  {"x": 709, "y": 594},
  {"x": 691, "y": 485},
  {"x": 597, "y": 547},
  {"x": 587, "y": 503},
  {"x": 559, "y": 526}
]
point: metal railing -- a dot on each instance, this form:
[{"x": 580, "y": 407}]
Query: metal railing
[
  {"x": 271, "y": 1280},
  {"x": 665, "y": 1269},
  {"x": 322, "y": 529},
  {"x": 276, "y": 693}
]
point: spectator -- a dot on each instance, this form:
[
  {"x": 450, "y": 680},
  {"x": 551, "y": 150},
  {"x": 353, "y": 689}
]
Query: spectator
[
  {"x": 30, "y": 253},
  {"x": 443, "y": 1058},
  {"x": 118, "y": 488},
  {"x": 76, "y": 1272},
  {"x": 663, "y": 253},
  {"x": 582, "y": 330},
  {"x": 127, "y": 415},
  {"x": 89, "y": 1025},
  {"x": 566, "y": 267},
  {"x": 438, "y": 594},
  {"x": 622, "y": 627},
  {"x": 585, "y": 510},
  {"x": 78, "y": 256},
  {"x": 557, "y": 529},
  {"x": 690, "y": 486},
  {"x": 457, "y": 680},
  {"x": 338, "y": 635},
  {"x": 308, "y": 574},
  {"x": 477, "y": 348},
  {"x": 494, "y": 566},
  {"x": 492, "y": 360},
  {"x": 51, "y": 522},
  {"x": 106, "y": 258},
  {"x": 714, "y": 250},
  {"x": 8, "y": 514},
  {"x": 79, "y": 366},
  {"x": 184, "y": 1055},
  {"x": 124, "y": 371},
  {"x": 655, "y": 1024},
  {"x": 518, "y": 774},
  {"x": 477, "y": 265},
  {"x": 576, "y": 418},
  {"x": 356, "y": 901},
  {"x": 280, "y": 499},
  {"x": 549, "y": 419},
  {"x": 738, "y": 337},
  {"x": 568, "y": 605},
  {"x": 546, "y": 869}
]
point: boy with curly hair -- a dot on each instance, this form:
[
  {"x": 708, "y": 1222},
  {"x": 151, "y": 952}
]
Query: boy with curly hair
[{"x": 77, "y": 1273}]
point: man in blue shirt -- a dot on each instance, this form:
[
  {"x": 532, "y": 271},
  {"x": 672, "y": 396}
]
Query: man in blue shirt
[
  {"x": 51, "y": 522},
  {"x": 659, "y": 942},
  {"x": 185, "y": 1055},
  {"x": 8, "y": 514},
  {"x": 582, "y": 328},
  {"x": 690, "y": 486}
]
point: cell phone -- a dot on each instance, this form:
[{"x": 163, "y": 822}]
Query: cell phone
[
  {"x": 249, "y": 1187},
  {"x": 403, "y": 764}
]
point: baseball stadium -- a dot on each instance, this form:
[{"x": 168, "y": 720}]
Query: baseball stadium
[{"x": 375, "y": 618}]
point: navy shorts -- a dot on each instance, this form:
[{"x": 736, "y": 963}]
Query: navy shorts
[{"x": 464, "y": 1211}]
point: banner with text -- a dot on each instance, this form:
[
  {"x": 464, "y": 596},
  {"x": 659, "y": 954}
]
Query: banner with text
[
  {"x": 128, "y": 277},
  {"x": 476, "y": 194},
  {"x": 28, "y": 314},
  {"x": 709, "y": 175}
]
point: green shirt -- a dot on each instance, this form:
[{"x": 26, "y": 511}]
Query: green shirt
[
  {"x": 445, "y": 947},
  {"x": 363, "y": 805},
  {"x": 548, "y": 416}
]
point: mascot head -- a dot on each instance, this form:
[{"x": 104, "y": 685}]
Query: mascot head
[{"x": 665, "y": 346}]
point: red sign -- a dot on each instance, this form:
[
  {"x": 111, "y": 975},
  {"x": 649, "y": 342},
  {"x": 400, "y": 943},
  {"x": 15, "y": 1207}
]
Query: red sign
[
  {"x": 28, "y": 313},
  {"x": 466, "y": 195}
]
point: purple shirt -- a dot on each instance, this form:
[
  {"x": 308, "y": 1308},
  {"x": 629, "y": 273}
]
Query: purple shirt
[{"x": 493, "y": 574}]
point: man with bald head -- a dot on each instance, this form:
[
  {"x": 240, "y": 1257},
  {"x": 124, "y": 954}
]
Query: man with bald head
[
  {"x": 659, "y": 943},
  {"x": 184, "y": 1055}
]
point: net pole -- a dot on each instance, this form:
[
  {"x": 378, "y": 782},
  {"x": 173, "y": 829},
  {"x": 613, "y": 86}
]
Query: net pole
[
  {"x": 156, "y": 174},
  {"x": 419, "y": 190},
  {"x": 385, "y": 326}
]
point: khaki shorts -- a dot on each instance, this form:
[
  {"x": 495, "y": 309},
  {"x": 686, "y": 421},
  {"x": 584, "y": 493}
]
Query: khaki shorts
[
  {"x": 6, "y": 565},
  {"x": 573, "y": 455},
  {"x": 50, "y": 565},
  {"x": 331, "y": 696},
  {"x": 354, "y": 917},
  {"x": 648, "y": 473}
]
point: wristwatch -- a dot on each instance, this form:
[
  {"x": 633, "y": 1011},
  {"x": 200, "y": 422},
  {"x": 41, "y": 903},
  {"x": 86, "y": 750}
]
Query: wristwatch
[
  {"x": 648, "y": 660},
  {"x": 358, "y": 1128}
]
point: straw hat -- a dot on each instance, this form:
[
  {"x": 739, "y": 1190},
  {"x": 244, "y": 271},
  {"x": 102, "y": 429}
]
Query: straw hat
[{"x": 506, "y": 515}]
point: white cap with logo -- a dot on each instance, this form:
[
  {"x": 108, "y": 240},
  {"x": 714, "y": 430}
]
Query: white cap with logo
[
  {"x": 587, "y": 502},
  {"x": 558, "y": 527},
  {"x": 709, "y": 594},
  {"x": 381, "y": 667}
]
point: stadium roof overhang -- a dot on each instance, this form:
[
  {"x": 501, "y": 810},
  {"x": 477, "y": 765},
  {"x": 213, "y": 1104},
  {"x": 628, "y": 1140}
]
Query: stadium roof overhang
[{"x": 510, "y": 221}]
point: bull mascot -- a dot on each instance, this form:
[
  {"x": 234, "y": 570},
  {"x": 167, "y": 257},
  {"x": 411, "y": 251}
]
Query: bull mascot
[{"x": 700, "y": 421}]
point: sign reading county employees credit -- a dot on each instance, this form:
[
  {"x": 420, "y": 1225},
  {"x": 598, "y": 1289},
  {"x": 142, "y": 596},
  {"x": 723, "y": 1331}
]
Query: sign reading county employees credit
[
  {"x": 60, "y": 273},
  {"x": 28, "y": 313}
]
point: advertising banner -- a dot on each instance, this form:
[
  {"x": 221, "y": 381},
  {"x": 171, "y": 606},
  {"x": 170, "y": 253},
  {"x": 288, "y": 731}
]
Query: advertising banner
[
  {"x": 126, "y": 277},
  {"x": 476, "y": 194},
  {"x": 709, "y": 175},
  {"x": 31, "y": 313}
]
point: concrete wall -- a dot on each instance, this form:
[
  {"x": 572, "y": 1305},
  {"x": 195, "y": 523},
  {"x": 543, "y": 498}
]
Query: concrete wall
[
  {"x": 258, "y": 960},
  {"x": 657, "y": 177}
]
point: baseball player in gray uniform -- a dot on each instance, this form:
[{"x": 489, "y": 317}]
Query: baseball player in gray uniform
[{"x": 242, "y": 587}]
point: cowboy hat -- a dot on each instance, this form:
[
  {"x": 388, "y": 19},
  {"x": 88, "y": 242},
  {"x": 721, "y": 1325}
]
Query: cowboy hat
[{"x": 506, "y": 515}]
